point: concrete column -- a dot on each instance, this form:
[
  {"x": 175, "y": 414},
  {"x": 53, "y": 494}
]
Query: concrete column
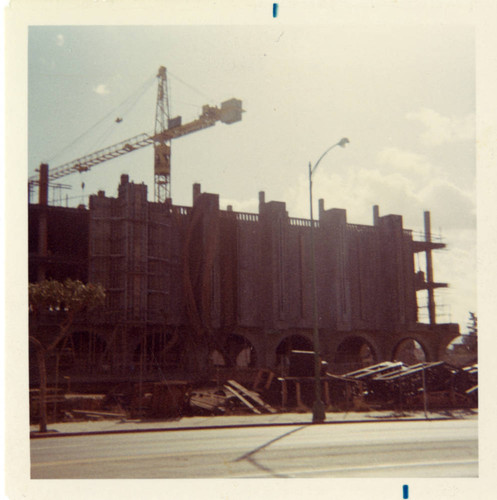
[
  {"x": 262, "y": 200},
  {"x": 393, "y": 273},
  {"x": 273, "y": 219},
  {"x": 43, "y": 185},
  {"x": 376, "y": 215},
  {"x": 331, "y": 257},
  {"x": 321, "y": 208},
  {"x": 42, "y": 221},
  {"x": 429, "y": 270},
  {"x": 196, "y": 192}
]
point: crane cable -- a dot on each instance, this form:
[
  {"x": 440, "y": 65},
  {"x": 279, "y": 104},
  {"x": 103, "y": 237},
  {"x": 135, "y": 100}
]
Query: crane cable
[
  {"x": 139, "y": 94},
  {"x": 133, "y": 98},
  {"x": 136, "y": 95},
  {"x": 191, "y": 87}
]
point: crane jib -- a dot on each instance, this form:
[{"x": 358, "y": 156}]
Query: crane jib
[{"x": 86, "y": 162}]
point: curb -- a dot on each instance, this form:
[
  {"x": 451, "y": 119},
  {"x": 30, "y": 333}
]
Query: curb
[{"x": 50, "y": 434}]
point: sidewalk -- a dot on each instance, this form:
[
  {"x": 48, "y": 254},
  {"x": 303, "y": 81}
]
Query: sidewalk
[{"x": 279, "y": 419}]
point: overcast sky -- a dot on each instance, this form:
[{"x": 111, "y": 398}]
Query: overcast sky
[{"x": 404, "y": 95}]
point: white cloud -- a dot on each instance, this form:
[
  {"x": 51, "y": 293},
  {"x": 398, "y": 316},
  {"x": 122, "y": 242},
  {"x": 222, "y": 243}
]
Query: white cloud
[
  {"x": 396, "y": 191},
  {"x": 358, "y": 189},
  {"x": 101, "y": 89},
  {"x": 406, "y": 161},
  {"x": 455, "y": 207},
  {"x": 441, "y": 129},
  {"x": 59, "y": 40},
  {"x": 411, "y": 181}
]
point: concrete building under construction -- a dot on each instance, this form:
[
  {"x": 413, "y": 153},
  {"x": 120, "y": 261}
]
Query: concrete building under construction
[{"x": 236, "y": 286}]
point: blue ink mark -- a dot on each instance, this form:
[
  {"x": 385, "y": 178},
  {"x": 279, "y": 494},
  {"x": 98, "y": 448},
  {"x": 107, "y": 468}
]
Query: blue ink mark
[
  {"x": 275, "y": 10},
  {"x": 405, "y": 491}
]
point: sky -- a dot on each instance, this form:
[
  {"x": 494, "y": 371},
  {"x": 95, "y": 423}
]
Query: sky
[{"x": 403, "y": 94}]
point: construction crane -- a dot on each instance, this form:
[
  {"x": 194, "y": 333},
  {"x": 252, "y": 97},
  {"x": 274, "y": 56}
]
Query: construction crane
[{"x": 166, "y": 129}]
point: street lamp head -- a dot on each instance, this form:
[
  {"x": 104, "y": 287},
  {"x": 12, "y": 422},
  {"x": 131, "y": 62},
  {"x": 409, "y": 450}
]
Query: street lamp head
[{"x": 341, "y": 143}]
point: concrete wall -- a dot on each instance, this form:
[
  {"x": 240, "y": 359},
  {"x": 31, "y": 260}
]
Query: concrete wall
[{"x": 195, "y": 269}]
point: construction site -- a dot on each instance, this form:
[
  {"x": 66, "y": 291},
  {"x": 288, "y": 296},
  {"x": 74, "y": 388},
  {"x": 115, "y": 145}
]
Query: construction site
[{"x": 213, "y": 308}]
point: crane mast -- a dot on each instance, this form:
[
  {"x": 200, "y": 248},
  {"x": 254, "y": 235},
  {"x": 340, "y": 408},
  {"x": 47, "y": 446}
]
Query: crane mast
[
  {"x": 162, "y": 146},
  {"x": 166, "y": 129}
]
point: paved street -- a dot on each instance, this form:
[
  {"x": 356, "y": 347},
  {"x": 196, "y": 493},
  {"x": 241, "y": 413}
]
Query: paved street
[{"x": 379, "y": 449}]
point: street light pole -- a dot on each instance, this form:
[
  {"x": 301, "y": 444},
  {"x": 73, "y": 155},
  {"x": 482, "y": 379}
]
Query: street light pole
[{"x": 318, "y": 413}]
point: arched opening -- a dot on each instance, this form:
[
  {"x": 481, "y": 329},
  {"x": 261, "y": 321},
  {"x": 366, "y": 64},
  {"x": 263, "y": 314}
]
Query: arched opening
[
  {"x": 462, "y": 351},
  {"x": 410, "y": 352},
  {"x": 286, "y": 346},
  {"x": 217, "y": 358},
  {"x": 239, "y": 352},
  {"x": 352, "y": 354}
]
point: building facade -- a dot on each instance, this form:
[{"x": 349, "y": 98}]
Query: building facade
[{"x": 236, "y": 286}]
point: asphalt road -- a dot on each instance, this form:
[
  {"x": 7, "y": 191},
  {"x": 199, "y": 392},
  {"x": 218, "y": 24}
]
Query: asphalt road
[{"x": 379, "y": 449}]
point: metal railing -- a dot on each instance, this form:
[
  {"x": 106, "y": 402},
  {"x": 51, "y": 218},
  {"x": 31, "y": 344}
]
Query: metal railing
[
  {"x": 420, "y": 236},
  {"x": 247, "y": 217}
]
